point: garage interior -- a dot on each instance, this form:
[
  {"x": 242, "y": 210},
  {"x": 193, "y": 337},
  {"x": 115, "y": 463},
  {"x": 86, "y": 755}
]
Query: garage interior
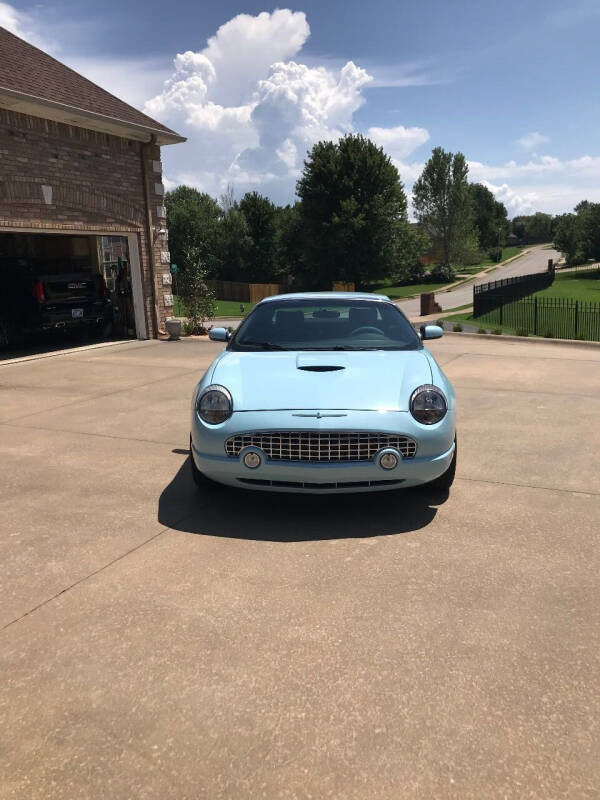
[{"x": 58, "y": 290}]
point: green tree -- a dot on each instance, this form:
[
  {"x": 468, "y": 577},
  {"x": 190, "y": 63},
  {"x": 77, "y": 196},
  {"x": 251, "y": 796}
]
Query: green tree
[
  {"x": 539, "y": 227},
  {"x": 234, "y": 241},
  {"x": 193, "y": 221},
  {"x": 353, "y": 211},
  {"x": 589, "y": 216},
  {"x": 409, "y": 266},
  {"x": 290, "y": 246},
  {"x": 260, "y": 258},
  {"x": 199, "y": 299},
  {"x": 533, "y": 228},
  {"x": 489, "y": 217},
  {"x": 567, "y": 237},
  {"x": 442, "y": 202}
]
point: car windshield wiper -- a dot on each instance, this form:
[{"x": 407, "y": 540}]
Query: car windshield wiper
[
  {"x": 338, "y": 347},
  {"x": 263, "y": 345}
]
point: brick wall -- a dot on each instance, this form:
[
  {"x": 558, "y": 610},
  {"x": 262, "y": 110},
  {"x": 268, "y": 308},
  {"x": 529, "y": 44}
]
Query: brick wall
[{"x": 60, "y": 177}]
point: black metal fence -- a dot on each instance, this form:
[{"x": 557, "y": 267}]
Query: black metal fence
[
  {"x": 559, "y": 317},
  {"x": 489, "y": 296}
]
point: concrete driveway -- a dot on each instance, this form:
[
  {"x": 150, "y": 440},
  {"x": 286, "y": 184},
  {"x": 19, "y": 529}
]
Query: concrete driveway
[{"x": 160, "y": 643}]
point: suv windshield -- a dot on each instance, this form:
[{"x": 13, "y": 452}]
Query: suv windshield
[{"x": 323, "y": 324}]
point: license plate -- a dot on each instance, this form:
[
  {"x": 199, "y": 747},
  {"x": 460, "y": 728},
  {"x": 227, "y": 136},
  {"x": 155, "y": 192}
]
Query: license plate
[{"x": 76, "y": 313}]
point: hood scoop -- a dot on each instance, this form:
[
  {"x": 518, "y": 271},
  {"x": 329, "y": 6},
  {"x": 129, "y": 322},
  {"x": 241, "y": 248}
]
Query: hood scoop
[
  {"x": 321, "y": 362},
  {"x": 322, "y": 368}
]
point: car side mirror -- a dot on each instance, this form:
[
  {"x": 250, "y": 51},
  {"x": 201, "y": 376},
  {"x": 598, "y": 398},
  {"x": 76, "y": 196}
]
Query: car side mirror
[
  {"x": 219, "y": 334},
  {"x": 431, "y": 332}
]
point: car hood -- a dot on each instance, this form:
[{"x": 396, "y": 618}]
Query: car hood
[{"x": 360, "y": 380}]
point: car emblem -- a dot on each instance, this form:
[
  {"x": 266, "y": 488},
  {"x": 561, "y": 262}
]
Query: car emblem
[{"x": 318, "y": 415}]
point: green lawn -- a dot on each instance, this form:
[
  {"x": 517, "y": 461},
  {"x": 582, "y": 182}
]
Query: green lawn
[
  {"x": 457, "y": 308},
  {"x": 584, "y": 285},
  {"x": 231, "y": 308},
  {"x": 225, "y": 308},
  {"x": 476, "y": 323},
  {"x": 410, "y": 289},
  {"x": 507, "y": 252}
]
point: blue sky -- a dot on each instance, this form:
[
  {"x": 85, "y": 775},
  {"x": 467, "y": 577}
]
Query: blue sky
[{"x": 512, "y": 85}]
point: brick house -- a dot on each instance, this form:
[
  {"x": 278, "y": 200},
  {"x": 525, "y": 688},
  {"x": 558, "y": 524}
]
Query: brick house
[{"x": 81, "y": 179}]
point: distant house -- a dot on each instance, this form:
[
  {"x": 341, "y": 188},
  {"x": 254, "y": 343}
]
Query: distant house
[{"x": 81, "y": 181}]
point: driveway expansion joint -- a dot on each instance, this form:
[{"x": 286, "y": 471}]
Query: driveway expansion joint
[
  {"x": 589, "y": 493},
  {"x": 86, "y": 577}
]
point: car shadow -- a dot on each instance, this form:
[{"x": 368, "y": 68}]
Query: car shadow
[{"x": 279, "y": 517}]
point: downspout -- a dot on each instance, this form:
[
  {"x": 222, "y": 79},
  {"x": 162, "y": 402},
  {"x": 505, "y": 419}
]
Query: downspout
[{"x": 149, "y": 231}]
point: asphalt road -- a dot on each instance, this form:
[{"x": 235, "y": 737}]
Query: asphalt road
[
  {"x": 160, "y": 643},
  {"x": 534, "y": 261}
]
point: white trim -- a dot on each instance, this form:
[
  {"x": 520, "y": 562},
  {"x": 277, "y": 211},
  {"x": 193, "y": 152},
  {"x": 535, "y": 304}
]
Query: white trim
[
  {"x": 136, "y": 286},
  {"x": 92, "y": 120},
  {"x": 65, "y": 231}
]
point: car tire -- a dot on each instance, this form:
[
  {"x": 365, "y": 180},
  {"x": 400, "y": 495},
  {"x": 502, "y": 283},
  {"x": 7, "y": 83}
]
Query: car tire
[
  {"x": 5, "y": 337},
  {"x": 105, "y": 331},
  {"x": 200, "y": 479},
  {"x": 445, "y": 481}
]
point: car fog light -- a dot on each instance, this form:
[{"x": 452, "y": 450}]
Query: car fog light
[
  {"x": 388, "y": 461},
  {"x": 252, "y": 460}
]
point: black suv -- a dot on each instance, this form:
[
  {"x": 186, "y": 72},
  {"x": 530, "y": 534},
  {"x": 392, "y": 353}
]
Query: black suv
[{"x": 32, "y": 303}]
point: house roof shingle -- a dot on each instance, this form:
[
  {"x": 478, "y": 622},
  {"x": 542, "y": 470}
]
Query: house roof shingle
[{"x": 29, "y": 71}]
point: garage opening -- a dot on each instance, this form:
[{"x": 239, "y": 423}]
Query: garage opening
[{"x": 58, "y": 290}]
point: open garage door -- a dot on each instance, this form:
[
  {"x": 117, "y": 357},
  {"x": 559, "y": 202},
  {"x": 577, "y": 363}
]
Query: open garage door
[{"x": 58, "y": 290}]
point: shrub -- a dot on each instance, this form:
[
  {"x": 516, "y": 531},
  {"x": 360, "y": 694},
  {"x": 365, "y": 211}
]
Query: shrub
[
  {"x": 548, "y": 335},
  {"x": 522, "y": 332},
  {"x": 199, "y": 298},
  {"x": 441, "y": 272},
  {"x": 481, "y": 330},
  {"x": 440, "y": 322},
  {"x": 457, "y": 328},
  {"x": 497, "y": 331}
]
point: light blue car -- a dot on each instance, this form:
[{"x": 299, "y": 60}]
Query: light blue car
[{"x": 324, "y": 392}]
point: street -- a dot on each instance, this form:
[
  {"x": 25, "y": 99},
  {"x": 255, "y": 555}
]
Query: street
[{"x": 535, "y": 261}]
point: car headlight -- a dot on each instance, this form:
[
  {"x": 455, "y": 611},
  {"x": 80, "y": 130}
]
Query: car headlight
[
  {"x": 428, "y": 405},
  {"x": 214, "y": 405}
]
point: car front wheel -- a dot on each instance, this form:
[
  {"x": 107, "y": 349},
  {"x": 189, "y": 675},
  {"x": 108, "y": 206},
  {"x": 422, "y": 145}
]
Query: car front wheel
[
  {"x": 200, "y": 479},
  {"x": 445, "y": 481}
]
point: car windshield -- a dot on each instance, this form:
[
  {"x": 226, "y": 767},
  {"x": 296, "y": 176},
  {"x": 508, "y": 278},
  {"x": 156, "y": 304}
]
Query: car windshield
[{"x": 325, "y": 324}]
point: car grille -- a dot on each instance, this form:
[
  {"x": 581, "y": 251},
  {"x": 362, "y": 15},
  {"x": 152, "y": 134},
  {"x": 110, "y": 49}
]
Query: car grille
[{"x": 320, "y": 446}]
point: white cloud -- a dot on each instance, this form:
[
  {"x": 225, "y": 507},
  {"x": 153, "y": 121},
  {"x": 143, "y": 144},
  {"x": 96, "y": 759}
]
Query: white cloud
[
  {"x": 515, "y": 203},
  {"x": 21, "y": 24},
  {"x": 532, "y": 141},
  {"x": 249, "y": 115},
  {"x": 143, "y": 75},
  {"x": 243, "y": 49},
  {"x": 399, "y": 142},
  {"x": 585, "y": 167}
]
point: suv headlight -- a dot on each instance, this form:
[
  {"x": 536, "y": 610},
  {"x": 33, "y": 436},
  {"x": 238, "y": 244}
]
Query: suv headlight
[
  {"x": 428, "y": 405},
  {"x": 214, "y": 404}
]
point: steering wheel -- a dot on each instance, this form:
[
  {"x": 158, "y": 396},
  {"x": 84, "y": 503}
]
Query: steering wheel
[{"x": 366, "y": 329}]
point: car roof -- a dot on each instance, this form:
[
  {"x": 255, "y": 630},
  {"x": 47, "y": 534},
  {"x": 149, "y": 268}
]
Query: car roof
[{"x": 349, "y": 296}]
